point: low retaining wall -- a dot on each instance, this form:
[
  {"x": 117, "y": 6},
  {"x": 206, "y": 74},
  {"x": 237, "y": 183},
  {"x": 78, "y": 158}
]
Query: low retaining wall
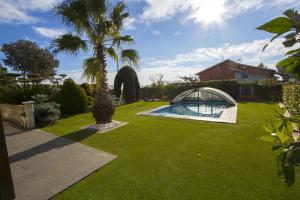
[{"x": 21, "y": 115}]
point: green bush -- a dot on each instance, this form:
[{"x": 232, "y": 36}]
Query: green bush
[
  {"x": 45, "y": 112},
  {"x": 291, "y": 98},
  {"x": 72, "y": 98}
]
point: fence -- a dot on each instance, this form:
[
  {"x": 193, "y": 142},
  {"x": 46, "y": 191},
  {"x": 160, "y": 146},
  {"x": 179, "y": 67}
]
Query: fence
[{"x": 21, "y": 115}]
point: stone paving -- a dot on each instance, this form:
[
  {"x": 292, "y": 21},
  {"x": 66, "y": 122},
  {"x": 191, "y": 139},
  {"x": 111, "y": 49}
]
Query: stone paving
[{"x": 43, "y": 164}]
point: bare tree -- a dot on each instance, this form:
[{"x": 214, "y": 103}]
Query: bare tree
[{"x": 157, "y": 79}]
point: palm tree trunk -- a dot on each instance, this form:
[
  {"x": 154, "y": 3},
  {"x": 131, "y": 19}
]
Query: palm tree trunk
[
  {"x": 102, "y": 77},
  {"x": 103, "y": 108}
]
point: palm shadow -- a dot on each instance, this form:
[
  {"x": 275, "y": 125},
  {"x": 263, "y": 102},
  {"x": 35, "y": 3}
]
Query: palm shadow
[{"x": 56, "y": 143}]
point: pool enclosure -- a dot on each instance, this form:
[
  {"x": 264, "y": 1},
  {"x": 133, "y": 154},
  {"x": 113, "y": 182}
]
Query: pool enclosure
[
  {"x": 204, "y": 94},
  {"x": 207, "y": 104}
]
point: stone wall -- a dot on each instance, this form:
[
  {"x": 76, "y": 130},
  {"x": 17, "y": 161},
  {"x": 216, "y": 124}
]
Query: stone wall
[{"x": 21, "y": 115}]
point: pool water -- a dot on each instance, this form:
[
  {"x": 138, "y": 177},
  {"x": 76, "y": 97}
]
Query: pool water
[{"x": 190, "y": 108}]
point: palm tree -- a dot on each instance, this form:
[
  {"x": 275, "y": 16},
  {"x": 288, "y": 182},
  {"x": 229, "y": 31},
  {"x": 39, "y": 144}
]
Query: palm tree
[{"x": 98, "y": 26}]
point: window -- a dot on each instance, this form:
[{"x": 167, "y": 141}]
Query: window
[{"x": 245, "y": 75}]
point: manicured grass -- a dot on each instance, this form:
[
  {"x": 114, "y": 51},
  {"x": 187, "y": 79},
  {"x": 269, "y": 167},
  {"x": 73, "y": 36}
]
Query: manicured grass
[{"x": 165, "y": 158}]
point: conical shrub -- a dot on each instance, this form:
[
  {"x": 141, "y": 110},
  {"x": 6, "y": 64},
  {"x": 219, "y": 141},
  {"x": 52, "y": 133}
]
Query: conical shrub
[{"x": 72, "y": 98}]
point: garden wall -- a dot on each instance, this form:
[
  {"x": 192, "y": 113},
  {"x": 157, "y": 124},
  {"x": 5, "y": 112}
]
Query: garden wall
[{"x": 21, "y": 115}]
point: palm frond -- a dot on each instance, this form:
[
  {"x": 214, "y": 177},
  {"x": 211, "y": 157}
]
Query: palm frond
[
  {"x": 130, "y": 56},
  {"x": 96, "y": 8},
  {"x": 91, "y": 69},
  {"x": 76, "y": 14},
  {"x": 68, "y": 43},
  {"x": 112, "y": 53},
  {"x": 118, "y": 15},
  {"x": 122, "y": 40}
]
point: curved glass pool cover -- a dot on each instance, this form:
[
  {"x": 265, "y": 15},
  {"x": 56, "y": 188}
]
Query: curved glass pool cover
[{"x": 204, "y": 102}]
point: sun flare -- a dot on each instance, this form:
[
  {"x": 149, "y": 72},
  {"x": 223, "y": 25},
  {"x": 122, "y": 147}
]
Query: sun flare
[{"x": 209, "y": 11}]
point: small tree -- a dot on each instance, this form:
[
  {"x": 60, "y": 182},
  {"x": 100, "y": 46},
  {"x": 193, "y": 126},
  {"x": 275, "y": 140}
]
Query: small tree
[
  {"x": 26, "y": 57},
  {"x": 131, "y": 86},
  {"x": 72, "y": 98},
  {"x": 289, "y": 156}
]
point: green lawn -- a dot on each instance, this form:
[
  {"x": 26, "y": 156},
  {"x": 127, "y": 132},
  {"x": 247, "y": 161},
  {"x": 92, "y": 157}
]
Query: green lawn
[{"x": 165, "y": 158}]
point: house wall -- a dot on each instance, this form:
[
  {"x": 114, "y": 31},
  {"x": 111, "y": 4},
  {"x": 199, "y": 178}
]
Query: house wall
[
  {"x": 232, "y": 70},
  {"x": 219, "y": 72}
]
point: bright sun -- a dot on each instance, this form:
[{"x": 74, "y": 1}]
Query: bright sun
[{"x": 207, "y": 12}]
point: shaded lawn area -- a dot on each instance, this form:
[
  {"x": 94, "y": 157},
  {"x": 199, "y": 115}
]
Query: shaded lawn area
[{"x": 165, "y": 158}]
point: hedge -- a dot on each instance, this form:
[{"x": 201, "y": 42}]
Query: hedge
[
  {"x": 170, "y": 90},
  {"x": 291, "y": 98}
]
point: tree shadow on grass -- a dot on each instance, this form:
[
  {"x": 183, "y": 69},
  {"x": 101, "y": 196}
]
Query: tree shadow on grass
[{"x": 56, "y": 143}]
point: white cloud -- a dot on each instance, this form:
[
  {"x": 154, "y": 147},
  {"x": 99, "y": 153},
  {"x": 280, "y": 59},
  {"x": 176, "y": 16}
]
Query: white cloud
[
  {"x": 10, "y": 13},
  {"x": 248, "y": 53},
  {"x": 18, "y": 11},
  {"x": 130, "y": 23},
  {"x": 156, "y": 32},
  {"x": 49, "y": 32},
  {"x": 203, "y": 11}
]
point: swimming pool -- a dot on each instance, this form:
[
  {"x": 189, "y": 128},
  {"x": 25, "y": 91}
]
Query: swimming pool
[
  {"x": 206, "y": 104},
  {"x": 203, "y": 109}
]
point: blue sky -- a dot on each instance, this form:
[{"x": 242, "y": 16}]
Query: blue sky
[{"x": 173, "y": 37}]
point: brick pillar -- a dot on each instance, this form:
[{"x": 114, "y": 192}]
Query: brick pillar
[{"x": 29, "y": 113}]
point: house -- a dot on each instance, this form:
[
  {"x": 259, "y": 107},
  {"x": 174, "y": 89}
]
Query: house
[{"x": 230, "y": 70}]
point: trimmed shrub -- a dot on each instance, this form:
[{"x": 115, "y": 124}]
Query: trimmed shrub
[
  {"x": 72, "y": 98},
  {"x": 103, "y": 108},
  {"x": 291, "y": 98},
  {"x": 45, "y": 112},
  {"x": 131, "y": 86}
]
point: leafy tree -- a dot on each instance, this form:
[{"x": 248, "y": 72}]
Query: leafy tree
[
  {"x": 101, "y": 25},
  {"x": 287, "y": 25},
  {"x": 131, "y": 86},
  {"x": 26, "y": 57}
]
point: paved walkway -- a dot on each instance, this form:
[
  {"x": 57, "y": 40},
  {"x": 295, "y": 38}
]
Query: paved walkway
[{"x": 43, "y": 165}]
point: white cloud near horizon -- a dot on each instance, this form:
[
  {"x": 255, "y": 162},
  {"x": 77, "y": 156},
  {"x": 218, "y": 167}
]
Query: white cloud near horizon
[
  {"x": 49, "y": 32},
  {"x": 18, "y": 11}
]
